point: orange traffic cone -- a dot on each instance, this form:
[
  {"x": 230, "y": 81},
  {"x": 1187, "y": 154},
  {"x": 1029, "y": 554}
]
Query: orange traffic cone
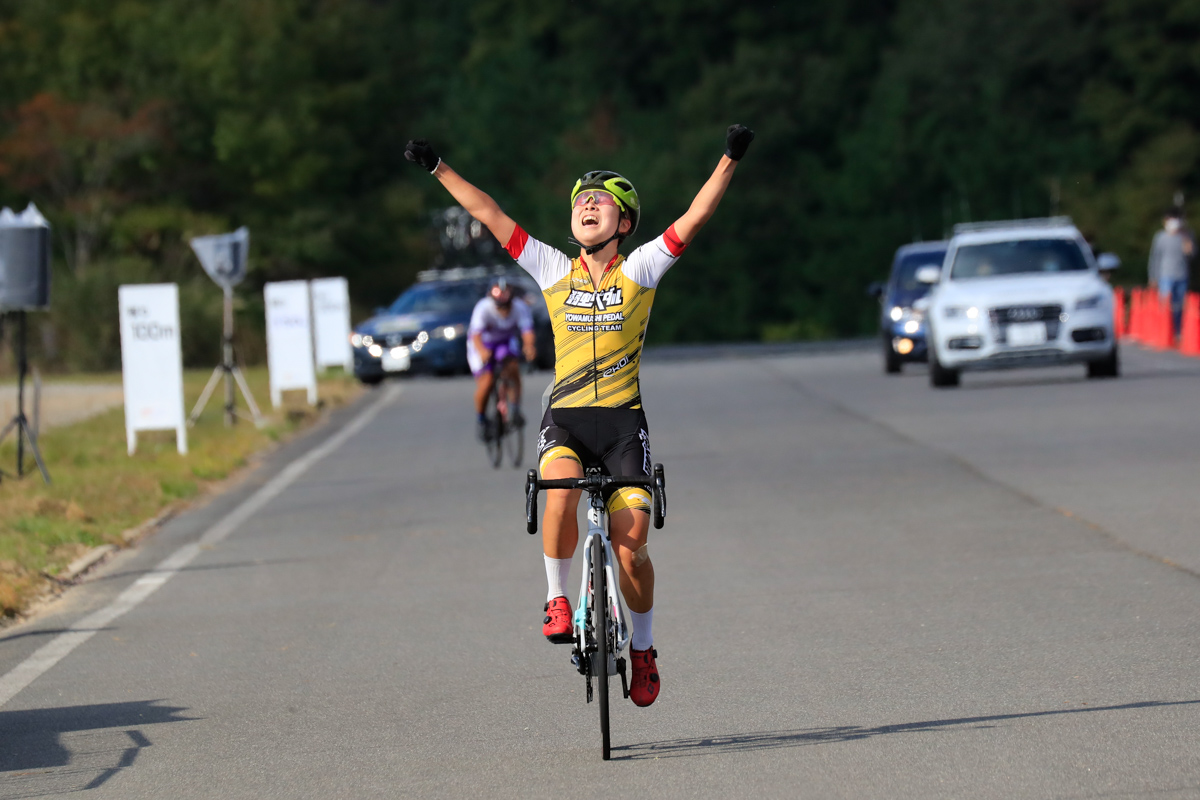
[
  {"x": 1137, "y": 315},
  {"x": 1120, "y": 327},
  {"x": 1189, "y": 334},
  {"x": 1163, "y": 335}
]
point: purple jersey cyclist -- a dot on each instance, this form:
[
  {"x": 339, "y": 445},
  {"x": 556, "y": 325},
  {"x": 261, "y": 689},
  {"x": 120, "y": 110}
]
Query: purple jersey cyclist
[{"x": 501, "y": 330}]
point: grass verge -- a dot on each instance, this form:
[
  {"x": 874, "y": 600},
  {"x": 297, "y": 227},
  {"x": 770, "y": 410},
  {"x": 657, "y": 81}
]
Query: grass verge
[{"x": 99, "y": 491}]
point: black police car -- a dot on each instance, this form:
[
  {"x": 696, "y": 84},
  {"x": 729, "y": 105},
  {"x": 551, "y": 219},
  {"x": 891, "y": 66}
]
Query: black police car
[
  {"x": 902, "y": 316},
  {"x": 425, "y": 329}
]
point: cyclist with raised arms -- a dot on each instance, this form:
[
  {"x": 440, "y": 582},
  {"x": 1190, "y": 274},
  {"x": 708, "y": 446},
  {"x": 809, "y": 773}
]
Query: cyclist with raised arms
[
  {"x": 492, "y": 346},
  {"x": 599, "y": 305}
]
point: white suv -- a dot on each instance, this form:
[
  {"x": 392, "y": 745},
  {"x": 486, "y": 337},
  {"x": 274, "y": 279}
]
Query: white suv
[{"x": 1016, "y": 294}]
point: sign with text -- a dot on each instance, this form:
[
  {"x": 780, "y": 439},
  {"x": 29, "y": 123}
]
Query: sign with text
[
  {"x": 152, "y": 361},
  {"x": 290, "y": 340},
  {"x": 331, "y": 322}
]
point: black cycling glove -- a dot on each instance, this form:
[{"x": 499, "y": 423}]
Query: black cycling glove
[
  {"x": 737, "y": 139},
  {"x": 419, "y": 151}
]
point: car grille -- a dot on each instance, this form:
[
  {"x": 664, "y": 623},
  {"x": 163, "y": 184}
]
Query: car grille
[
  {"x": 398, "y": 339},
  {"x": 1007, "y": 315}
]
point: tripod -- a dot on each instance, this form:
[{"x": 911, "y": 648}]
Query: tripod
[
  {"x": 230, "y": 370},
  {"x": 19, "y": 422}
]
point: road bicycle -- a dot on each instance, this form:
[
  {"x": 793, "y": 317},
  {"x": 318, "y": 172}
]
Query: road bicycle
[
  {"x": 601, "y": 626},
  {"x": 504, "y": 432}
]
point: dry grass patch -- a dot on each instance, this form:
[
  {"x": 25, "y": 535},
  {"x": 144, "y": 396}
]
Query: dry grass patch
[{"x": 99, "y": 491}]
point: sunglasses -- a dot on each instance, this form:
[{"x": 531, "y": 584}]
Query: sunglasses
[{"x": 595, "y": 197}]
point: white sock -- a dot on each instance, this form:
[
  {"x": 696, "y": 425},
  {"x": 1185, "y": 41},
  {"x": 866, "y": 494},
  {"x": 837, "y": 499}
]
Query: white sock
[
  {"x": 643, "y": 633},
  {"x": 556, "y": 576}
]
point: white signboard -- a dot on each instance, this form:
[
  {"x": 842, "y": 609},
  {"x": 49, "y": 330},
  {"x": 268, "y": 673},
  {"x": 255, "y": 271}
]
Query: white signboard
[
  {"x": 152, "y": 361},
  {"x": 290, "y": 340},
  {"x": 331, "y": 322}
]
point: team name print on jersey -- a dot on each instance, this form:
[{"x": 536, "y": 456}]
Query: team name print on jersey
[{"x": 598, "y": 300}]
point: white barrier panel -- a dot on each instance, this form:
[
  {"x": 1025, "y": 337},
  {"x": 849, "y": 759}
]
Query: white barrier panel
[
  {"x": 290, "y": 340},
  {"x": 331, "y": 322},
  {"x": 152, "y": 361}
]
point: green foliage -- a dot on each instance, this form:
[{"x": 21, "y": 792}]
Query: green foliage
[{"x": 137, "y": 125}]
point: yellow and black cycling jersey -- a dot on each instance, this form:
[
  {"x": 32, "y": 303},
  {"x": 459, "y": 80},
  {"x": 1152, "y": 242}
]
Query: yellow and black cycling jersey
[{"x": 598, "y": 330}]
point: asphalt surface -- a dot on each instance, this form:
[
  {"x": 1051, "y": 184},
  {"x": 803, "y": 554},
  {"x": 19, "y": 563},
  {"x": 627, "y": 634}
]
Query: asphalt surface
[{"x": 866, "y": 589}]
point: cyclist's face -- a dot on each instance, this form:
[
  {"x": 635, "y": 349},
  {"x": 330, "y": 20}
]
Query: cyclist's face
[{"x": 595, "y": 217}]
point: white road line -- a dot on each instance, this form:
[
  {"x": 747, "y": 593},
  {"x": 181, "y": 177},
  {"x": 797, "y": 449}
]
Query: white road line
[{"x": 60, "y": 646}]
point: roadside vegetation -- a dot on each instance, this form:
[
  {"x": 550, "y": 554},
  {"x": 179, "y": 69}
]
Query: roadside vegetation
[
  {"x": 99, "y": 492},
  {"x": 136, "y": 125}
]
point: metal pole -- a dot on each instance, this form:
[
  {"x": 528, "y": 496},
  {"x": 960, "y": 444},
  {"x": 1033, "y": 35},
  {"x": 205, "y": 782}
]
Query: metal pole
[
  {"x": 22, "y": 365},
  {"x": 227, "y": 359}
]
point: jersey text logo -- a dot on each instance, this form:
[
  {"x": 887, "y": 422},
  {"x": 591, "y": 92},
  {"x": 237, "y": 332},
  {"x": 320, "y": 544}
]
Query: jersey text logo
[{"x": 600, "y": 300}]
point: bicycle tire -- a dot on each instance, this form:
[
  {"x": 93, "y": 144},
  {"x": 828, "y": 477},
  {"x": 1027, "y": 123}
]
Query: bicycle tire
[
  {"x": 515, "y": 439},
  {"x": 600, "y": 627},
  {"x": 493, "y": 439}
]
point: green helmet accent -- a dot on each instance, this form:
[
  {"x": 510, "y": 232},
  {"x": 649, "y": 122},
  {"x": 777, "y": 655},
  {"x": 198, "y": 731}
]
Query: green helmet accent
[{"x": 619, "y": 187}]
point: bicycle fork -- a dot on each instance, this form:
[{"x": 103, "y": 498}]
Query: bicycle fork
[{"x": 584, "y": 654}]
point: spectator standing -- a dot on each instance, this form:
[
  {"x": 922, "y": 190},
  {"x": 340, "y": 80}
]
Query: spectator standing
[{"x": 1168, "y": 267}]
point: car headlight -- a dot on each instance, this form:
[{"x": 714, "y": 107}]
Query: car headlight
[
  {"x": 375, "y": 350},
  {"x": 902, "y": 314},
  {"x": 356, "y": 340},
  {"x": 451, "y": 332},
  {"x": 423, "y": 337},
  {"x": 1084, "y": 303}
]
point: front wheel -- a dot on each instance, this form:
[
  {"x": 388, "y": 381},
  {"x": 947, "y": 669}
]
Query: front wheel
[
  {"x": 493, "y": 434},
  {"x": 1107, "y": 367},
  {"x": 939, "y": 376},
  {"x": 599, "y": 611}
]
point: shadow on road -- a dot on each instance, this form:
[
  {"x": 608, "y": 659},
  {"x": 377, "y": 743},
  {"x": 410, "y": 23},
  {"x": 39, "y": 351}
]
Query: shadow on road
[
  {"x": 48, "y": 750},
  {"x": 770, "y": 740}
]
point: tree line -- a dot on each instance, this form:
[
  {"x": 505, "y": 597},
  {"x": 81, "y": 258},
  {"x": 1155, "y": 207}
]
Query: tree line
[{"x": 137, "y": 124}]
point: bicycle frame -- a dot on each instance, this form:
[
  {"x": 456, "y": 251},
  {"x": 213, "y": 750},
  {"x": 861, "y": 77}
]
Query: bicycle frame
[{"x": 598, "y": 526}]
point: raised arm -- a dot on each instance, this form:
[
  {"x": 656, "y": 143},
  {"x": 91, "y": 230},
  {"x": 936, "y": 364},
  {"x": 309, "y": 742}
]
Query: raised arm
[
  {"x": 478, "y": 203},
  {"x": 737, "y": 139}
]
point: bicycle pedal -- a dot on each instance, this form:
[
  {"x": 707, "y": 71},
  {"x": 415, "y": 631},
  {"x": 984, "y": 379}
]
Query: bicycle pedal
[{"x": 624, "y": 679}]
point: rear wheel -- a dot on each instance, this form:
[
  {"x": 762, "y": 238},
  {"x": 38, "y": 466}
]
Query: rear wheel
[
  {"x": 1107, "y": 367},
  {"x": 939, "y": 376},
  {"x": 599, "y": 611}
]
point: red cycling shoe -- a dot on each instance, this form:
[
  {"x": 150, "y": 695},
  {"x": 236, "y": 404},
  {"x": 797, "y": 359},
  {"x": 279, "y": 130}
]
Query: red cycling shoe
[
  {"x": 557, "y": 626},
  {"x": 643, "y": 689}
]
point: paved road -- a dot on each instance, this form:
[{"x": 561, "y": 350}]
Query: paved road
[{"x": 867, "y": 589}]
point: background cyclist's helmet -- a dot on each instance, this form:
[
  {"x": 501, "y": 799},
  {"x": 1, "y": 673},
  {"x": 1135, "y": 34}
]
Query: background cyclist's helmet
[
  {"x": 619, "y": 187},
  {"x": 501, "y": 292}
]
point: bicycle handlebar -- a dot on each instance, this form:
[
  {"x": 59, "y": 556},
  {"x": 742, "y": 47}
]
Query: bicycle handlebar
[{"x": 597, "y": 482}]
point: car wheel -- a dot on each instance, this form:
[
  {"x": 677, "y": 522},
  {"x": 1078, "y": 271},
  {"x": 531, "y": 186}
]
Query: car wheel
[
  {"x": 939, "y": 376},
  {"x": 370, "y": 380},
  {"x": 1107, "y": 367},
  {"x": 891, "y": 360}
]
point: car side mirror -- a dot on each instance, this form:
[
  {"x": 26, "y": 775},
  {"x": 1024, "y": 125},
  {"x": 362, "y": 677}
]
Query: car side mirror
[
  {"x": 875, "y": 289},
  {"x": 928, "y": 274},
  {"x": 1108, "y": 262}
]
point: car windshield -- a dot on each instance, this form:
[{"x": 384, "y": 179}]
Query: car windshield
[
  {"x": 440, "y": 298},
  {"x": 906, "y": 289},
  {"x": 1017, "y": 258}
]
